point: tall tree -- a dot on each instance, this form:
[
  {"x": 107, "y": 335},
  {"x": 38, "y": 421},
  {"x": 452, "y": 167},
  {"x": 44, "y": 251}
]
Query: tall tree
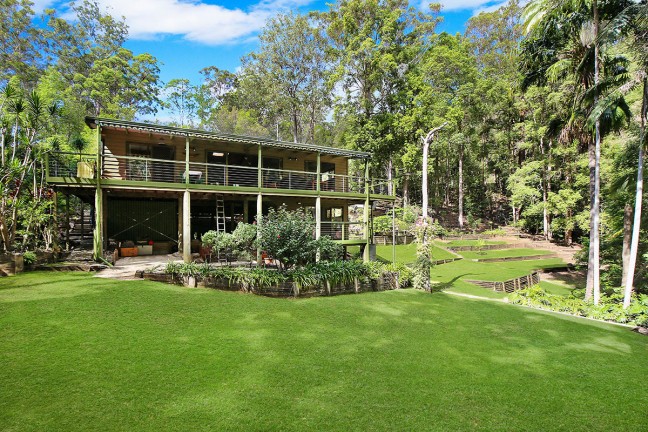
[
  {"x": 90, "y": 56},
  {"x": 288, "y": 74}
]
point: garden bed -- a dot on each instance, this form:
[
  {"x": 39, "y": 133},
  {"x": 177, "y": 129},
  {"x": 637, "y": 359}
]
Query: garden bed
[{"x": 276, "y": 284}]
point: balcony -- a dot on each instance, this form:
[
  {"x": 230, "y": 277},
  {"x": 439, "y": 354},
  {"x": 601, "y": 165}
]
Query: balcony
[{"x": 152, "y": 173}]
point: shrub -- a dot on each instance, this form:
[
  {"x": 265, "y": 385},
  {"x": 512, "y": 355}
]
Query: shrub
[
  {"x": 610, "y": 307},
  {"x": 29, "y": 257},
  {"x": 243, "y": 237},
  {"x": 288, "y": 236},
  {"x": 422, "y": 267},
  {"x": 220, "y": 242}
]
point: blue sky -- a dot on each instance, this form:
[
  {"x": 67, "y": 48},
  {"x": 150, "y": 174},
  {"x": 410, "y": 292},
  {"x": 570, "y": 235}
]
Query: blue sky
[{"x": 188, "y": 35}]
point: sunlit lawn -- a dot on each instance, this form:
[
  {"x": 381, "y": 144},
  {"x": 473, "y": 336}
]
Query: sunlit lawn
[
  {"x": 503, "y": 253},
  {"x": 473, "y": 242},
  {"x": 80, "y": 353}
]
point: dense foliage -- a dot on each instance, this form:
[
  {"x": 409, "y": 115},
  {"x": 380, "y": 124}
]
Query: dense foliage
[
  {"x": 289, "y": 237},
  {"x": 526, "y": 95}
]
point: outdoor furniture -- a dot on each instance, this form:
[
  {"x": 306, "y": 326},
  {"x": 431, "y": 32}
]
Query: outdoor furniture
[{"x": 267, "y": 261}]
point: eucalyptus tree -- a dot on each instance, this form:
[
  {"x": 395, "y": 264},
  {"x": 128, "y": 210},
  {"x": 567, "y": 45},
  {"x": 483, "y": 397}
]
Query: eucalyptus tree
[
  {"x": 218, "y": 85},
  {"x": 89, "y": 54},
  {"x": 289, "y": 74},
  {"x": 181, "y": 100},
  {"x": 377, "y": 45},
  {"x": 21, "y": 42}
]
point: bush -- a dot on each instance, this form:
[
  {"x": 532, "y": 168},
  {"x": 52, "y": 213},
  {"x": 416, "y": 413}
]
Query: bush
[
  {"x": 422, "y": 267},
  {"x": 220, "y": 242},
  {"x": 243, "y": 237},
  {"x": 610, "y": 307},
  {"x": 29, "y": 258},
  {"x": 289, "y": 237}
]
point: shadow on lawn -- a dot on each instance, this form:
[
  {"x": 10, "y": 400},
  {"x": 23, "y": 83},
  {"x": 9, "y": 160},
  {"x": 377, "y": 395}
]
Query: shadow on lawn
[{"x": 441, "y": 286}]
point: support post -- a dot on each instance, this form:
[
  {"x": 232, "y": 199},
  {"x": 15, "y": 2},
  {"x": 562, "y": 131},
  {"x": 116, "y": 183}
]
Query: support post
[
  {"x": 394, "y": 232},
  {"x": 180, "y": 219},
  {"x": 97, "y": 238},
  {"x": 367, "y": 210},
  {"x": 259, "y": 214},
  {"x": 186, "y": 176},
  {"x": 186, "y": 227},
  {"x": 259, "y": 168},
  {"x": 97, "y": 243},
  {"x": 318, "y": 207}
]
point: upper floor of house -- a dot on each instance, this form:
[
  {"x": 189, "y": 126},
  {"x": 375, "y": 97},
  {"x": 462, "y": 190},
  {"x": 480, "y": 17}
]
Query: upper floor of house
[{"x": 148, "y": 156}]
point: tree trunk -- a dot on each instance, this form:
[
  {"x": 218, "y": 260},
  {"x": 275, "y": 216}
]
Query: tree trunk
[
  {"x": 593, "y": 264},
  {"x": 390, "y": 178},
  {"x": 406, "y": 198},
  {"x": 424, "y": 185},
  {"x": 461, "y": 188},
  {"x": 636, "y": 226},
  {"x": 627, "y": 236}
]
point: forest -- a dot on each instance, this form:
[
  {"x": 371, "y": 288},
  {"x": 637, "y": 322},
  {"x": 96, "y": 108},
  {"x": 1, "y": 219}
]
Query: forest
[{"x": 539, "y": 111}]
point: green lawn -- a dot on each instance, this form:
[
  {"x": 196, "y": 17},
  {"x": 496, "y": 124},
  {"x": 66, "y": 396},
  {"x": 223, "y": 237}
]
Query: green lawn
[
  {"x": 452, "y": 275},
  {"x": 407, "y": 253},
  {"x": 473, "y": 242},
  {"x": 81, "y": 353},
  {"x": 503, "y": 253}
]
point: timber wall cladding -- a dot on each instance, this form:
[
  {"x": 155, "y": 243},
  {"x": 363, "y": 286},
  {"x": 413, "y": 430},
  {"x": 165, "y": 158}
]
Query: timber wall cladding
[
  {"x": 142, "y": 219},
  {"x": 116, "y": 144}
]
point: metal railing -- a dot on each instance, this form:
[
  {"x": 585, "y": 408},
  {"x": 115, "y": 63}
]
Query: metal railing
[
  {"x": 71, "y": 165},
  {"x": 287, "y": 179},
  {"x": 141, "y": 169},
  {"x": 223, "y": 175},
  {"x": 344, "y": 230}
]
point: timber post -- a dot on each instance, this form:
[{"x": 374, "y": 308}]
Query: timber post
[
  {"x": 318, "y": 205},
  {"x": 259, "y": 209},
  {"x": 366, "y": 256},
  {"x": 186, "y": 227},
  {"x": 97, "y": 240}
]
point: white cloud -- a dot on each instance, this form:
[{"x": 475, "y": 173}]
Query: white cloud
[{"x": 194, "y": 20}]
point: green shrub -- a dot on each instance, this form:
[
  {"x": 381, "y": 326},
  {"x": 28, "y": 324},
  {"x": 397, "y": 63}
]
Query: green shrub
[
  {"x": 243, "y": 237},
  {"x": 220, "y": 242},
  {"x": 29, "y": 257},
  {"x": 610, "y": 307},
  {"x": 289, "y": 237}
]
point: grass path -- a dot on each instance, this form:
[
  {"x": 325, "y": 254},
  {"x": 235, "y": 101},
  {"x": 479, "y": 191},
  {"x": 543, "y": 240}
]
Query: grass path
[{"x": 82, "y": 353}]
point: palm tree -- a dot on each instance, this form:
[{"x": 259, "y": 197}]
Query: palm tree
[
  {"x": 631, "y": 24},
  {"x": 563, "y": 43}
]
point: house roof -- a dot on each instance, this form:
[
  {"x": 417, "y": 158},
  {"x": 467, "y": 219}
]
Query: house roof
[{"x": 92, "y": 122}]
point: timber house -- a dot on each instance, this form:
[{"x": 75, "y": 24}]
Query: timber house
[{"x": 167, "y": 185}]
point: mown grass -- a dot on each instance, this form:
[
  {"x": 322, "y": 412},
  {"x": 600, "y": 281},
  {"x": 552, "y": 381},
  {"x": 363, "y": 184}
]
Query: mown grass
[
  {"x": 81, "y": 353},
  {"x": 473, "y": 242},
  {"x": 503, "y": 253},
  {"x": 407, "y": 253}
]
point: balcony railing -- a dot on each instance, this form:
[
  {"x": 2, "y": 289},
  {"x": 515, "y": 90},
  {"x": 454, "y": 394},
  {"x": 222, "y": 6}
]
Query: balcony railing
[
  {"x": 71, "y": 165},
  {"x": 140, "y": 169},
  {"x": 344, "y": 230}
]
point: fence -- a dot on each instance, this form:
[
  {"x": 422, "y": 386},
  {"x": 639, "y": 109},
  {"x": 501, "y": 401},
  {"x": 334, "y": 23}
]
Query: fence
[{"x": 512, "y": 284}]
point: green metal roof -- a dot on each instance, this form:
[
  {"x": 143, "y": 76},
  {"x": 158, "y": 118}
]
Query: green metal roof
[{"x": 206, "y": 135}]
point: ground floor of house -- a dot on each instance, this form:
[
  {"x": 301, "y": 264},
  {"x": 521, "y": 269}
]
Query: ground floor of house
[{"x": 170, "y": 221}]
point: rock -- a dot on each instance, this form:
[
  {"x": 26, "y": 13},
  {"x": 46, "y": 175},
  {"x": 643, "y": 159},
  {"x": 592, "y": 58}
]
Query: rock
[{"x": 641, "y": 330}]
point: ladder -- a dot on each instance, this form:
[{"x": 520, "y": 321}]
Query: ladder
[{"x": 220, "y": 214}]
